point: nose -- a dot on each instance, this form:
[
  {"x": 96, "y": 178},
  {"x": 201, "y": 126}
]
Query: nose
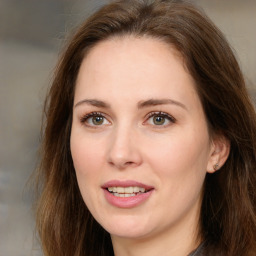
[{"x": 124, "y": 149}]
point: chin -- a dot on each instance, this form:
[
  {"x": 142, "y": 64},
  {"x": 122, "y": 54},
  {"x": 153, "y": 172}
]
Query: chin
[
  {"x": 128, "y": 227},
  {"x": 130, "y": 234}
]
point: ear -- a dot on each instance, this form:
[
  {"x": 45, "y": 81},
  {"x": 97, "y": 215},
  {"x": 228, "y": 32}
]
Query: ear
[{"x": 220, "y": 149}]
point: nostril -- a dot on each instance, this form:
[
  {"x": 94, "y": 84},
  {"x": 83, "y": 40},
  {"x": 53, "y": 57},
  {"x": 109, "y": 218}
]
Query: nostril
[
  {"x": 122, "y": 165},
  {"x": 123, "y": 156}
]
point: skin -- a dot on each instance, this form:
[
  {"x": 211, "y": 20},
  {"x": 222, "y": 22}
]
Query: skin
[{"x": 173, "y": 156}]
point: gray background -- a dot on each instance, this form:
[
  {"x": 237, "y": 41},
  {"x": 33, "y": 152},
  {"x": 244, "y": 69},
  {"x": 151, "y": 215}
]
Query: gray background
[{"x": 32, "y": 33}]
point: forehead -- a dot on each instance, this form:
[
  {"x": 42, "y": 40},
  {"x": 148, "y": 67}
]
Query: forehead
[
  {"x": 144, "y": 67},
  {"x": 133, "y": 48}
]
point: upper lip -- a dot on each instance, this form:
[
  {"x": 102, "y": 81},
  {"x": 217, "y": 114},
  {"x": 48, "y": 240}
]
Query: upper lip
[{"x": 126, "y": 183}]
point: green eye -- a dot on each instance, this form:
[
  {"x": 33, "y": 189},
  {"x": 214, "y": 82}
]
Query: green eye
[
  {"x": 97, "y": 120},
  {"x": 94, "y": 119},
  {"x": 159, "y": 120}
]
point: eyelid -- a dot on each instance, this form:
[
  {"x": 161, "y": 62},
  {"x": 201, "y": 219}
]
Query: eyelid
[
  {"x": 85, "y": 117},
  {"x": 160, "y": 113}
]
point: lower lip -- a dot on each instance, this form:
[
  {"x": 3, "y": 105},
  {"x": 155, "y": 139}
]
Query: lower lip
[{"x": 127, "y": 202}]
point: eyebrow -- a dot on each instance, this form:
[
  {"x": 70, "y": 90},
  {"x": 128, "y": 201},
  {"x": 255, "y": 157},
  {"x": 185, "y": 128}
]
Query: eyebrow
[
  {"x": 93, "y": 102},
  {"x": 155, "y": 102},
  {"x": 141, "y": 104}
]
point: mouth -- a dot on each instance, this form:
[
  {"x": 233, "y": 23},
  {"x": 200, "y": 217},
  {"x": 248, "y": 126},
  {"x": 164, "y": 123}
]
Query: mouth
[
  {"x": 127, "y": 191},
  {"x": 126, "y": 194}
]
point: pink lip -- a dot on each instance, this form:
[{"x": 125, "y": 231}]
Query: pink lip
[
  {"x": 126, "y": 183},
  {"x": 126, "y": 202}
]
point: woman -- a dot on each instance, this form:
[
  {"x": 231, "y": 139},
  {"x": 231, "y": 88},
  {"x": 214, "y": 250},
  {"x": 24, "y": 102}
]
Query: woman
[{"x": 149, "y": 143}]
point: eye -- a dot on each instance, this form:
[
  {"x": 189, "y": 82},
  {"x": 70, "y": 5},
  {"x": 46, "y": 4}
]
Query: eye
[
  {"x": 94, "y": 119},
  {"x": 160, "y": 119}
]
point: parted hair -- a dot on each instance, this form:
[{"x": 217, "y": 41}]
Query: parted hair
[{"x": 228, "y": 212}]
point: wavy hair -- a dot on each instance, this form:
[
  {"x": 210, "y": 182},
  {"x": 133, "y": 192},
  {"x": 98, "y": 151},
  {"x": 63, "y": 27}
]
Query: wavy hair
[{"x": 228, "y": 211}]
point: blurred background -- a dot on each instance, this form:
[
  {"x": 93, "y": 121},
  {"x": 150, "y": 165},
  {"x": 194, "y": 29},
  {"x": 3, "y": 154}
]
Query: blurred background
[{"x": 32, "y": 33}]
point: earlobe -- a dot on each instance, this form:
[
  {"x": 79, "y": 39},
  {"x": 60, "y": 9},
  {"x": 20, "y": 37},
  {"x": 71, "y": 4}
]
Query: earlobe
[
  {"x": 219, "y": 154},
  {"x": 216, "y": 167}
]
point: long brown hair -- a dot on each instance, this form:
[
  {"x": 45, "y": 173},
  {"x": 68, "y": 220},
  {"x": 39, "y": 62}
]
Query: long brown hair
[{"x": 227, "y": 220}]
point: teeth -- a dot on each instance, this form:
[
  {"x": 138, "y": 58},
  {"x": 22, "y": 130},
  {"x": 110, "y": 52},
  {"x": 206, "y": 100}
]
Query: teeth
[
  {"x": 123, "y": 195},
  {"x": 142, "y": 190},
  {"x": 136, "y": 189},
  {"x": 126, "y": 191},
  {"x": 120, "y": 190}
]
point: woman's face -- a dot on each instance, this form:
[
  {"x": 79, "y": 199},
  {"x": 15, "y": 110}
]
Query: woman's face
[{"x": 139, "y": 138}]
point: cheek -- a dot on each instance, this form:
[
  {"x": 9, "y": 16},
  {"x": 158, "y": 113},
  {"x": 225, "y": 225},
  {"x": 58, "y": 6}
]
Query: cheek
[
  {"x": 180, "y": 160},
  {"x": 85, "y": 151},
  {"x": 87, "y": 158},
  {"x": 177, "y": 151},
  {"x": 87, "y": 155}
]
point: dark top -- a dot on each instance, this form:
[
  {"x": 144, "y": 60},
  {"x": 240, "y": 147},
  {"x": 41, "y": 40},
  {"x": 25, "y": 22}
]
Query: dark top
[{"x": 198, "y": 251}]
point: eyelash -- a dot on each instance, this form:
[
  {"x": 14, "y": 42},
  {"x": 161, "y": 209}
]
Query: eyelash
[
  {"x": 161, "y": 114},
  {"x": 85, "y": 118},
  {"x": 170, "y": 118}
]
